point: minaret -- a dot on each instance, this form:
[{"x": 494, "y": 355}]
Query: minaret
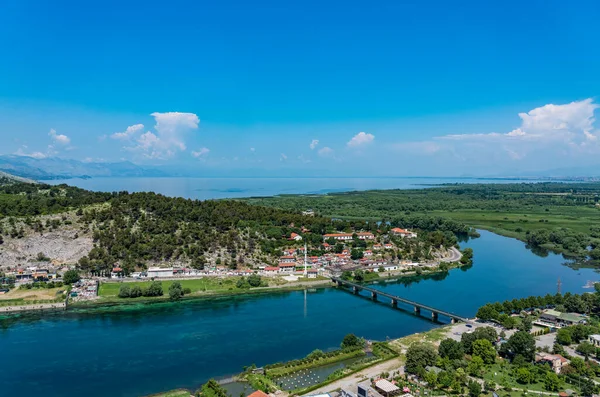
[{"x": 305, "y": 261}]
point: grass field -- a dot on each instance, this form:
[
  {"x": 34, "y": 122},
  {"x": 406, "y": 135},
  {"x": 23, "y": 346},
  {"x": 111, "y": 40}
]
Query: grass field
[
  {"x": 111, "y": 290},
  {"x": 30, "y": 294}
]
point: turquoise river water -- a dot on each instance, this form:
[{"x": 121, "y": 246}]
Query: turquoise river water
[{"x": 158, "y": 347}]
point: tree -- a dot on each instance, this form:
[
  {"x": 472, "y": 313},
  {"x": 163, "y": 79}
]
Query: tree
[
  {"x": 484, "y": 349},
  {"x": 475, "y": 365},
  {"x": 430, "y": 377},
  {"x": 487, "y": 313},
  {"x": 586, "y": 349},
  {"x": 564, "y": 336},
  {"x": 419, "y": 356},
  {"x": 445, "y": 379},
  {"x": 526, "y": 324},
  {"x": 551, "y": 381},
  {"x": 155, "y": 289},
  {"x": 525, "y": 376},
  {"x": 467, "y": 339},
  {"x": 352, "y": 341},
  {"x": 356, "y": 254},
  {"x": 451, "y": 349},
  {"x": 136, "y": 291},
  {"x": 474, "y": 389},
  {"x": 359, "y": 275},
  {"x": 520, "y": 343},
  {"x": 213, "y": 389},
  {"x": 254, "y": 280},
  {"x": 71, "y": 276},
  {"x": 124, "y": 291},
  {"x": 346, "y": 275},
  {"x": 588, "y": 388},
  {"x": 175, "y": 291}
]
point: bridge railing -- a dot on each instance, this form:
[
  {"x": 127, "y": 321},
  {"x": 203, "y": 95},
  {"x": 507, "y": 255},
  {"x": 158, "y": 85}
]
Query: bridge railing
[{"x": 399, "y": 298}]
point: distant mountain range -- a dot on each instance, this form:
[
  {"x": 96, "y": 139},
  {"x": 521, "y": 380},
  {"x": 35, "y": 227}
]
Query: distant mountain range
[{"x": 58, "y": 168}]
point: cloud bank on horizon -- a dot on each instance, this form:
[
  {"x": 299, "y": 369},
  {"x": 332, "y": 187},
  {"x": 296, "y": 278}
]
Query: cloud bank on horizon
[{"x": 552, "y": 135}]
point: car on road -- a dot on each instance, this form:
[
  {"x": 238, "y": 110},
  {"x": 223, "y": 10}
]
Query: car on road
[{"x": 468, "y": 326}]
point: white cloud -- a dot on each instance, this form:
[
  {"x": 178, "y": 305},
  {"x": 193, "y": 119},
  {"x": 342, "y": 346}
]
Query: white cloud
[
  {"x": 201, "y": 152},
  {"x": 36, "y": 155},
  {"x": 171, "y": 129},
  {"x": 361, "y": 139},
  {"x": 282, "y": 157},
  {"x": 59, "y": 138},
  {"x": 252, "y": 149},
  {"x": 129, "y": 132},
  {"x": 325, "y": 151},
  {"x": 313, "y": 144},
  {"x": 571, "y": 123}
]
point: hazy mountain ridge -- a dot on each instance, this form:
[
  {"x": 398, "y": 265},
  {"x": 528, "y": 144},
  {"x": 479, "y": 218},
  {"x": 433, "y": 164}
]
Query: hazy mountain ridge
[{"x": 58, "y": 168}]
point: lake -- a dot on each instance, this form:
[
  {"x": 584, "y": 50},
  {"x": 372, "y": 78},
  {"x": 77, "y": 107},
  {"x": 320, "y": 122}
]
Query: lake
[
  {"x": 169, "y": 345},
  {"x": 218, "y": 188}
]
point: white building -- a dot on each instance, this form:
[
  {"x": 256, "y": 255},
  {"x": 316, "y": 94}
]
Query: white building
[{"x": 160, "y": 272}]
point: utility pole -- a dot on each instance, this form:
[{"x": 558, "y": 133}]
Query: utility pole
[{"x": 305, "y": 261}]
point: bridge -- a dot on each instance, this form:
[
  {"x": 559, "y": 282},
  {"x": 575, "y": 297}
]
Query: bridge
[{"x": 417, "y": 307}]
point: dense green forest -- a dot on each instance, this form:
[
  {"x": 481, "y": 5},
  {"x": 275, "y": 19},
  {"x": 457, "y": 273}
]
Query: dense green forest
[
  {"x": 559, "y": 216},
  {"x": 132, "y": 230}
]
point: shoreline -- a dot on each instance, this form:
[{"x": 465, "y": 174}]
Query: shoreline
[
  {"x": 294, "y": 286},
  {"x": 116, "y": 302}
]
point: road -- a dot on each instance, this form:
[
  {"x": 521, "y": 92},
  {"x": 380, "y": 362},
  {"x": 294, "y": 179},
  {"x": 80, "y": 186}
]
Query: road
[{"x": 454, "y": 256}]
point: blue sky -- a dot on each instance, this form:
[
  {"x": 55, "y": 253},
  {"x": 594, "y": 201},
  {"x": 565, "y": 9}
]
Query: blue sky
[{"x": 386, "y": 88}]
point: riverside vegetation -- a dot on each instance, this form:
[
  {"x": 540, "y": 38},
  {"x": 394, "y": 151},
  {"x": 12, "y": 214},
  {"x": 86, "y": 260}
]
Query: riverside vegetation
[{"x": 563, "y": 217}]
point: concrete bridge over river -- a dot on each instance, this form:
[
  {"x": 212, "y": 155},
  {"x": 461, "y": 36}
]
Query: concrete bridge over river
[{"x": 417, "y": 307}]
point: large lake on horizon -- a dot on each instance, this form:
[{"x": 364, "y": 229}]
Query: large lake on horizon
[
  {"x": 218, "y": 188},
  {"x": 164, "y": 346}
]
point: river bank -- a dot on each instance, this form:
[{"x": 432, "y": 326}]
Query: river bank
[
  {"x": 273, "y": 289},
  {"x": 189, "y": 342}
]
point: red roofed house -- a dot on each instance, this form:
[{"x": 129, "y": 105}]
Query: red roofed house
[
  {"x": 287, "y": 259},
  {"x": 258, "y": 393},
  {"x": 295, "y": 237},
  {"x": 271, "y": 270},
  {"x": 368, "y": 253},
  {"x": 403, "y": 233},
  {"x": 312, "y": 273},
  {"x": 287, "y": 267}
]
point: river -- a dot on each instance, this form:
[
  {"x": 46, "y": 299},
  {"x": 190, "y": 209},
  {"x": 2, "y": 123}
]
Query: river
[{"x": 164, "y": 346}]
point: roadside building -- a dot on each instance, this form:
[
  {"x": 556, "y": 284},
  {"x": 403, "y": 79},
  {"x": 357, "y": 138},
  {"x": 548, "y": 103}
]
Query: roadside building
[
  {"x": 287, "y": 259},
  {"x": 559, "y": 319},
  {"x": 312, "y": 273},
  {"x": 308, "y": 213},
  {"x": 594, "y": 340},
  {"x": 160, "y": 272},
  {"x": 388, "y": 246},
  {"x": 368, "y": 253}
]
